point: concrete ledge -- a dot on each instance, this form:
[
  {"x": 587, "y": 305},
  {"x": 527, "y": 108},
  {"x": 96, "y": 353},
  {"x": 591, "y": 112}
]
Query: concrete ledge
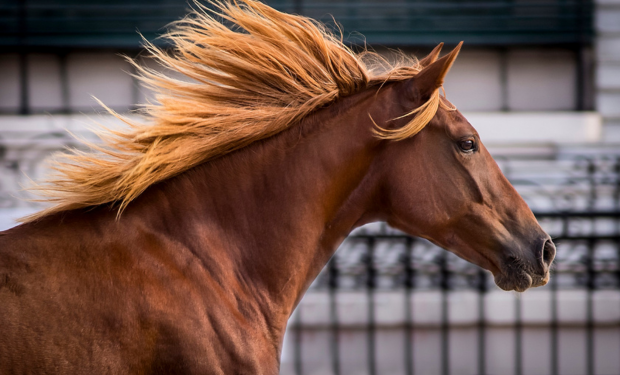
[
  {"x": 495, "y": 128},
  {"x": 45, "y": 131},
  {"x": 58, "y": 122},
  {"x": 513, "y": 128}
]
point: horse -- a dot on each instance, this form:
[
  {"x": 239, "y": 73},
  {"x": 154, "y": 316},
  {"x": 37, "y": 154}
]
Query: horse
[{"x": 184, "y": 245}]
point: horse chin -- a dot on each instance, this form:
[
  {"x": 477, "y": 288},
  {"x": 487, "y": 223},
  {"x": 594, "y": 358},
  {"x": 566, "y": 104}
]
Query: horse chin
[{"x": 520, "y": 281}]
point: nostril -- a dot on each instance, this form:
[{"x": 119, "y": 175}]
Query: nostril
[{"x": 548, "y": 252}]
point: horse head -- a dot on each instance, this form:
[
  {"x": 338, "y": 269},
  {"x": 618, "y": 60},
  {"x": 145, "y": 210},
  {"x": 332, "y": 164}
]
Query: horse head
[{"x": 443, "y": 185}]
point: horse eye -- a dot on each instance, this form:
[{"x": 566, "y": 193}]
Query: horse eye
[{"x": 468, "y": 145}]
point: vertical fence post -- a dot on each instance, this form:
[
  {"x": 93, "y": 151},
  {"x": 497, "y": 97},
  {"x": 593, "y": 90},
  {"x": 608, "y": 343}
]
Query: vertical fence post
[
  {"x": 482, "y": 289},
  {"x": 407, "y": 260},
  {"x": 554, "y": 303},
  {"x": 445, "y": 285},
  {"x": 554, "y": 323},
  {"x": 298, "y": 342},
  {"x": 370, "y": 287},
  {"x": 518, "y": 336},
  {"x": 590, "y": 284},
  {"x": 592, "y": 169},
  {"x": 333, "y": 316}
]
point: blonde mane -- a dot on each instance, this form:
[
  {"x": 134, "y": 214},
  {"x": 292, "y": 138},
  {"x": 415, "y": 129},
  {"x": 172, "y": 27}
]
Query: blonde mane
[{"x": 250, "y": 80}]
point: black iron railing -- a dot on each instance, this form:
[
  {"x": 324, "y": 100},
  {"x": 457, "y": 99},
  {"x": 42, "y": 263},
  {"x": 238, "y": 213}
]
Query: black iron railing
[
  {"x": 378, "y": 259},
  {"x": 576, "y": 267}
]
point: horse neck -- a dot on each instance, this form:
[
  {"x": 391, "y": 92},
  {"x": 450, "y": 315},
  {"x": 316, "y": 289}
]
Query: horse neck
[{"x": 277, "y": 210}]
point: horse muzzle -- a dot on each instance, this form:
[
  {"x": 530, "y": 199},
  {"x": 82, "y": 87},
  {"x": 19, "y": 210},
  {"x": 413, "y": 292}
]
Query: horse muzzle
[{"x": 521, "y": 272}]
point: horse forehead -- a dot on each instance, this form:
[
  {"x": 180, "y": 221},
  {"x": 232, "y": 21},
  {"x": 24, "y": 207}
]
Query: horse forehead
[{"x": 454, "y": 122}]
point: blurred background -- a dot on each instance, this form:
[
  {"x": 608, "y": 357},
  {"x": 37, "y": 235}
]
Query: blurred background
[{"x": 539, "y": 79}]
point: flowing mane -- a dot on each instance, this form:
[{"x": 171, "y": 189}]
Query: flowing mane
[{"x": 252, "y": 73}]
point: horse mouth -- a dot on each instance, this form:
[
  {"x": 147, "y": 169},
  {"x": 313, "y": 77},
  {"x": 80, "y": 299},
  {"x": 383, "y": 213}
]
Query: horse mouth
[
  {"x": 520, "y": 280},
  {"x": 520, "y": 272}
]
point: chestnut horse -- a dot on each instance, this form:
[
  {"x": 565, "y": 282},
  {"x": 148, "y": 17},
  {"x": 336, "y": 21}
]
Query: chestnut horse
[{"x": 198, "y": 269}]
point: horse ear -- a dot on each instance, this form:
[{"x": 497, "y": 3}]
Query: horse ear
[
  {"x": 431, "y": 77},
  {"x": 431, "y": 57}
]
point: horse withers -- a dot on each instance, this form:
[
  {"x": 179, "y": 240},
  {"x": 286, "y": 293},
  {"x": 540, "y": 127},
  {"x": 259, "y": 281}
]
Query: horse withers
[{"x": 188, "y": 245}]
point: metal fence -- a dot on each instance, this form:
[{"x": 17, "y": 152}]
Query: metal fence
[{"x": 582, "y": 216}]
